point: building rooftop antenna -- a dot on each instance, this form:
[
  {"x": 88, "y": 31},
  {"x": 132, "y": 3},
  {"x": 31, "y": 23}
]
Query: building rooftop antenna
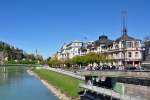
[
  {"x": 124, "y": 22},
  {"x": 124, "y": 32}
]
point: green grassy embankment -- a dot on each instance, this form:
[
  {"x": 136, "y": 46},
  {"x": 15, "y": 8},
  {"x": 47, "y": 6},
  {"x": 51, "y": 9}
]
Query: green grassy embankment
[{"x": 66, "y": 84}]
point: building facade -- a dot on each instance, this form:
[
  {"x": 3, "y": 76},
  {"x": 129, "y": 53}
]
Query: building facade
[
  {"x": 146, "y": 54},
  {"x": 125, "y": 50},
  {"x": 68, "y": 51}
]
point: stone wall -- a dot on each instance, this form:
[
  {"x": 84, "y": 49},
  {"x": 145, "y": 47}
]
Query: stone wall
[{"x": 138, "y": 91}]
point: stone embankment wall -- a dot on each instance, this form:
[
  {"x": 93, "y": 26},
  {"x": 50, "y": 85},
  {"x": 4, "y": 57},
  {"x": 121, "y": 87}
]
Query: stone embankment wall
[{"x": 142, "y": 92}]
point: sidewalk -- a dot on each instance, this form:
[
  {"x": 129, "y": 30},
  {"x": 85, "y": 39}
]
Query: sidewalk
[{"x": 69, "y": 73}]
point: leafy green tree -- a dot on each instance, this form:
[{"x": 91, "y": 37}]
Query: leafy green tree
[
  {"x": 54, "y": 62},
  {"x": 91, "y": 58}
]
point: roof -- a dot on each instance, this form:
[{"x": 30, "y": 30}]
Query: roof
[
  {"x": 125, "y": 37},
  {"x": 91, "y": 46},
  {"x": 147, "y": 43},
  {"x": 103, "y": 40},
  {"x": 87, "y": 46},
  {"x": 75, "y": 41},
  {"x": 83, "y": 49}
]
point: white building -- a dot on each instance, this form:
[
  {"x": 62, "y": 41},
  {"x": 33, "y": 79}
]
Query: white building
[
  {"x": 87, "y": 47},
  {"x": 69, "y": 50},
  {"x": 127, "y": 50}
]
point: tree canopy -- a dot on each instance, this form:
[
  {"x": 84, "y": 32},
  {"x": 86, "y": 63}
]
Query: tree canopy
[{"x": 83, "y": 60}]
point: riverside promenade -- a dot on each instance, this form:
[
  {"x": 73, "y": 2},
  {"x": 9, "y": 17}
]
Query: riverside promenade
[
  {"x": 124, "y": 85},
  {"x": 69, "y": 73},
  {"x": 125, "y": 81}
]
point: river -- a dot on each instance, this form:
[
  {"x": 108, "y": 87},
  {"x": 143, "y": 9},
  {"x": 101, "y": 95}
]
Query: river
[{"x": 17, "y": 84}]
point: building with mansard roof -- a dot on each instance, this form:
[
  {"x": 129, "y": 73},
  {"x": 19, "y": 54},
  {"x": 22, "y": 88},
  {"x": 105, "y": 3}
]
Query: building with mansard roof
[
  {"x": 103, "y": 43},
  {"x": 87, "y": 47},
  {"x": 125, "y": 50}
]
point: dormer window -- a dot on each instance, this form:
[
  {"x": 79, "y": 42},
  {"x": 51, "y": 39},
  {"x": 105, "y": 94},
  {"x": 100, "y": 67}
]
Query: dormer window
[
  {"x": 129, "y": 45},
  {"x": 116, "y": 47}
]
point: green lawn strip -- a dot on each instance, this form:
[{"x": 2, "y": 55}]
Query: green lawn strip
[{"x": 67, "y": 84}]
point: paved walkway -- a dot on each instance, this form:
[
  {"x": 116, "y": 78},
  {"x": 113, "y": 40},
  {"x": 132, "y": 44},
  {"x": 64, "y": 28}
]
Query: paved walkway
[{"x": 69, "y": 73}]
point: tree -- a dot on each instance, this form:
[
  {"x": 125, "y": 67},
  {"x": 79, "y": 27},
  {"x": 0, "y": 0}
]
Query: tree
[
  {"x": 54, "y": 62},
  {"x": 77, "y": 60},
  {"x": 67, "y": 62},
  {"x": 91, "y": 58},
  {"x": 84, "y": 60}
]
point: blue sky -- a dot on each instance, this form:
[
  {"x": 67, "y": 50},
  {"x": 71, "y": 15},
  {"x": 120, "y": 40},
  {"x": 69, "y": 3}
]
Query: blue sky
[{"x": 46, "y": 25}]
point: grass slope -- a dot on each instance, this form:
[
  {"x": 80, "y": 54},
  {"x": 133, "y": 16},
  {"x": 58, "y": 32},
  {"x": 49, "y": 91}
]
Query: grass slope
[{"x": 67, "y": 84}]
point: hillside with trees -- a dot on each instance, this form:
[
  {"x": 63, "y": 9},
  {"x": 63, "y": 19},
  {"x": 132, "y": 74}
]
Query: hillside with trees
[{"x": 10, "y": 54}]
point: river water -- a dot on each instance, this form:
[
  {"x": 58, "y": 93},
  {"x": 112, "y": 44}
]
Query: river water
[{"x": 16, "y": 84}]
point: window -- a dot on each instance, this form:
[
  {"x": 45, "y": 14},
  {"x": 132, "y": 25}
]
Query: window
[
  {"x": 136, "y": 44},
  {"x": 76, "y": 44},
  {"x": 129, "y": 54},
  {"x": 136, "y": 54},
  {"x": 116, "y": 47},
  {"x": 129, "y": 45}
]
